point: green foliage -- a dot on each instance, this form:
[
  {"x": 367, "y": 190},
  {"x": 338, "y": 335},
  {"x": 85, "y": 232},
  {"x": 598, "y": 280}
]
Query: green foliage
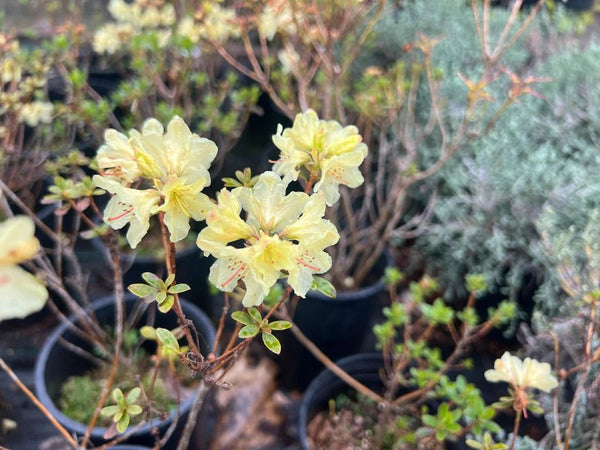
[
  {"x": 324, "y": 286},
  {"x": 78, "y": 393},
  {"x": 493, "y": 195},
  {"x": 417, "y": 364},
  {"x": 157, "y": 290},
  {"x": 444, "y": 424},
  {"x": 125, "y": 408},
  {"x": 254, "y": 323}
]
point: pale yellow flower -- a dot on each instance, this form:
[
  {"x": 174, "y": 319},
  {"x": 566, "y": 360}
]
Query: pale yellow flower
[
  {"x": 116, "y": 157},
  {"x": 120, "y": 10},
  {"x": 276, "y": 16},
  {"x": 20, "y": 292},
  {"x": 10, "y": 70},
  {"x": 283, "y": 235},
  {"x": 188, "y": 28},
  {"x": 110, "y": 37},
  {"x": 289, "y": 59},
  {"x": 528, "y": 373},
  {"x": 183, "y": 201},
  {"x": 172, "y": 164},
  {"x": 219, "y": 23},
  {"x": 35, "y": 113},
  {"x": 323, "y": 150},
  {"x": 132, "y": 207}
]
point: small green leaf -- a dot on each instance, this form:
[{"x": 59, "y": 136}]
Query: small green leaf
[
  {"x": 110, "y": 410},
  {"x": 152, "y": 280},
  {"x": 166, "y": 305},
  {"x": 272, "y": 343},
  {"x": 167, "y": 339},
  {"x": 123, "y": 423},
  {"x": 118, "y": 396},
  {"x": 141, "y": 290},
  {"x": 134, "y": 410},
  {"x": 148, "y": 332},
  {"x": 170, "y": 279},
  {"x": 179, "y": 288},
  {"x": 133, "y": 395},
  {"x": 161, "y": 296},
  {"x": 323, "y": 286},
  {"x": 249, "y": 331},
  {"x": 242, "y": 317},
  {"x": 255, "y": 314},
  {"x": 280, "y": 325}
]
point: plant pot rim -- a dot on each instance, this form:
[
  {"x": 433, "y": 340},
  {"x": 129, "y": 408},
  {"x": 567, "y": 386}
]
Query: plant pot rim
[
  {"x": 98, "y": 432},
  {"x": 323, "y": 382}
]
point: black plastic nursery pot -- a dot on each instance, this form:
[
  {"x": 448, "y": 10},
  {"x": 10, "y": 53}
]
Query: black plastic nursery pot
[
  {"x": 337, "y": 326},
  {"x": 327, "y": 385},
  {"x": 56, "y": 363}
]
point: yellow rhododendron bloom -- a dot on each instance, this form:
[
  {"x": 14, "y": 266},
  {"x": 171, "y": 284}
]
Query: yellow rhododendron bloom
[
  {"x": 323, "y": 150},
  {"x": 132, "y": 207},
  {"x": 20, "y": 292},
  {"x": 117, "y": 157},
  {"x": 283, "y": 235},
  {"x": 219, "y": 23},
  {"x": 528, "y": 373},
  {"x": 171, "y": 170},
  {"x": 35, "y": 113}
]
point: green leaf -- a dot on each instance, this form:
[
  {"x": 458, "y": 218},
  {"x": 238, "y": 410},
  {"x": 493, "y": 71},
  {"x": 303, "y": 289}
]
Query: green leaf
[
  {"x": 110, "y": 410},
  {"x": 133, "y": 395},
  {"x": 166, "y": 305},
  {"x": 123, "y": 423},
  {"x": 134, "y": 410},
  {"x": 255, "y": 314},
  {"x": 141, "y": 290},
  {"x": 161, "y": 296},
  {"x": 152, "y": 280},
  {"x": 323, "y": 286},
  {"x": 242, "y": 317},
  {"x": 170, "y": 279},
  {"x": 429, "y": 420},
  {"x": 118, "y": 396},
  {"x": 272, "y": 343},
  {"x": 148, "y": 332},
  {"x": 249, "y": 331},
  {"x": 167, "y": 339},
  {"x": 280, "y": 325},
  {"x": 179, "y": 288}
]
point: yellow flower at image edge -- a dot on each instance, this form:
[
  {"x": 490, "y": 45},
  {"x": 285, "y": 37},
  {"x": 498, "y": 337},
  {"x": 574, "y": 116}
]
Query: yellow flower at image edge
[
  {"x": 283, "y": 236},
  {"x": 528, "y": 373},
  {"x": 20, "y": 292}
]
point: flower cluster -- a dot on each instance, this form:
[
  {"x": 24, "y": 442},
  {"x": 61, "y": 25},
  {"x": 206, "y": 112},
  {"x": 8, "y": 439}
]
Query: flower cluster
[
  {"x": 20, "y": 292},
  {"x": 24, "y": 88},
  {"x": 282, "y": 235},
  {"x": 153, "y": 172},
  {"x": 321, "y": 151},
  {"x": 131, "y": 19},
  {"x": 257, "y": 232}
]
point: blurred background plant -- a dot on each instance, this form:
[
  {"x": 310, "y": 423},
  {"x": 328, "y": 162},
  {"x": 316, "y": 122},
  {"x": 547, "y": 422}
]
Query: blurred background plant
[
  {"x": 491, "y": 197},
  {"x": 566, "y": 333}
]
